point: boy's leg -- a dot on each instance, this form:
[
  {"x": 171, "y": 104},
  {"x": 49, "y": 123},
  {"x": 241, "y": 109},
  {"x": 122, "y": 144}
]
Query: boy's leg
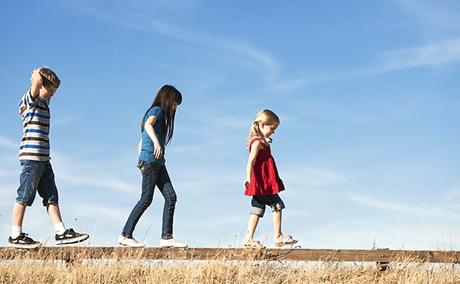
[
  {"x": 55, "y": 215},
  {"x": 48, "y": 191},
  {"x": 29, "y": 178},
  {"x": 54, "y": 212},
  {"x": 19, "y": 211},
  {"x": 28, "y": 182}
]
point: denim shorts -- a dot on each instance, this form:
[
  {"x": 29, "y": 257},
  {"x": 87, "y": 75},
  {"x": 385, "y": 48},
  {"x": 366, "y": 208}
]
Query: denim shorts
[
  {"x": 36, "y": 176},
  {"x": 259, "y": 202}
]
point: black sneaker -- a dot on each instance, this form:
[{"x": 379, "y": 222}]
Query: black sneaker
[
  {"x": 70, "y": 237},
  {"x": 23, "y": 241}
]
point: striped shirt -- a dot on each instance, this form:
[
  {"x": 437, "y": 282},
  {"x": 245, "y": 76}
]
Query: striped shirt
[{"x": 35, "y": 115}]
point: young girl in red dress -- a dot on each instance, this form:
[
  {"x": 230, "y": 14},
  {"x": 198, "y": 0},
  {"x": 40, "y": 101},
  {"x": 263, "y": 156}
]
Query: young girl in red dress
[{"x": 262, "y": 180}]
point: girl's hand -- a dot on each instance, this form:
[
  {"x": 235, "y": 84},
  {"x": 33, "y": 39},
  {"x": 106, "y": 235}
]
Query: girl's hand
[{"x": 158, "y": 152}]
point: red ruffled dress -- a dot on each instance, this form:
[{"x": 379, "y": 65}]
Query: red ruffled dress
[{"x": 264, "y": 176}]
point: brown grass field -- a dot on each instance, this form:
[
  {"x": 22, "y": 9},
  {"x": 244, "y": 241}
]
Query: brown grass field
[{"x": 132, "y": 269}]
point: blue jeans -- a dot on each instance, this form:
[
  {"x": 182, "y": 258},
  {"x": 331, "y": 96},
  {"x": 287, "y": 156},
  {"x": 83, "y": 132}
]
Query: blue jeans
[
  {"x": 36, "y": 176},
  {"x": 153, "y": 175}
]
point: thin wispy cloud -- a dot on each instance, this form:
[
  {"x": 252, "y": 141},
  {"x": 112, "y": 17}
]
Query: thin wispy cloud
[
  {"x": 72, "y": 170},
  {"x": 454, "y": 194},
  {"x": 395, "y": 207},
  {"x": 63, "y": 121},
  {"x": 7, "y": 143},
  {"x": 437, "y": 51},
  {"x": 309, "y": 177},
  {"x": 433, "y": 14},
  {"x": 296, "y": 83},
  {"x": 145, "y": 19},
  {"x": 107, "y": 182},
  {"x": 434, "y": 54},
  {"x": 4, "y": 173}
]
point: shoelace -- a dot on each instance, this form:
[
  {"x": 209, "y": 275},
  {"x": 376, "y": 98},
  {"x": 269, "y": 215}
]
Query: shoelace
[{"x": 23, "y": 235}]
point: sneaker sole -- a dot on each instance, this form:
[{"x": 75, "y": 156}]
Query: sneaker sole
[
  {"x": 73, "y": 240},
  {"x": 174, "y": 247},
  {"x": 129, "y": 246},
  {"x": 23, "y": 246}
]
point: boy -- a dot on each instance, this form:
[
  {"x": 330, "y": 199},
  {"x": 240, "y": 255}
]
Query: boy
[{"x": 34, "y": 156}]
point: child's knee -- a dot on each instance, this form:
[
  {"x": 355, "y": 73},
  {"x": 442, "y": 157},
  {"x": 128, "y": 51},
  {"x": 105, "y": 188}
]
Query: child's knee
[
  {"x": 277, "y": 207},
  {"x": 258, "y": 211}
]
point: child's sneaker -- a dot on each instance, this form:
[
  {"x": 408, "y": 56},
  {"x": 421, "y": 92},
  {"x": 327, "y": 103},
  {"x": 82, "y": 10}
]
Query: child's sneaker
[
  {"x": 23, "y": 241},
  {"x": 129, "y": 242},
  {"x": 171, "y": 243},
  {"x": 70, "y": 237}
]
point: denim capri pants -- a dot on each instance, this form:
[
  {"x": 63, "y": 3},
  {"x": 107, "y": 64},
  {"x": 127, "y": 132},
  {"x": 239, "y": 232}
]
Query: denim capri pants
[{"x": 260, "y": 202}]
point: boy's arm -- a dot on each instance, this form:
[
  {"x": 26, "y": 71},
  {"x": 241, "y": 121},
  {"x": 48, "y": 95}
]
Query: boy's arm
[
  {"x": 255, "y": 147},
  {"x": 148, "y": 126},
  {"x": 36, "y": 83},
  {"x": 139, "y": 147},
  {"x": 29, "y": 98}
]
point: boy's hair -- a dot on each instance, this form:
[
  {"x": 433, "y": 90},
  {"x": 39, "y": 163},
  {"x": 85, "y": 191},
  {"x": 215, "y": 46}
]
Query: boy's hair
[
  {"x": 166, "y": 97},
  {"x": 265, "y": 116},
  {"x": 49, "y": 78}
]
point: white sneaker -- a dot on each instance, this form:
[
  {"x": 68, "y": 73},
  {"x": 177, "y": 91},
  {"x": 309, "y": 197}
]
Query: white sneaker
[
  {"x": 171, "y": 243},
  {"x": 129, "y": 242}
]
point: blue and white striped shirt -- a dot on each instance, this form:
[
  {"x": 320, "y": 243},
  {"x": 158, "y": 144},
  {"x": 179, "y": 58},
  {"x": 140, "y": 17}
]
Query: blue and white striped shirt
[{"x": 35, "y": 115}]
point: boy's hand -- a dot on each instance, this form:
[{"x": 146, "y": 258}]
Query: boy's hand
[
  {"x": 35, "y": 76},
  {"x": 36, "y": 82}
]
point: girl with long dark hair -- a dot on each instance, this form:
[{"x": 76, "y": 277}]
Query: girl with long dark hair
[{"x": 157, "y": 128}]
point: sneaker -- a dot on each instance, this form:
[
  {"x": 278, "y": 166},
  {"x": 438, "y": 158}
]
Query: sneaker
[
  {"x": 171, "y": 243},
  {"x": 23, "y": 241},
  {"x": 129, "y": 242},
  {"x": 70, "y": 237}
]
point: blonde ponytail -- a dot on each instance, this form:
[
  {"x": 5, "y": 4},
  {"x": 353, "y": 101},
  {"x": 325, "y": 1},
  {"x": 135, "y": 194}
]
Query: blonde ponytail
[{"x": 265, "y": 116}]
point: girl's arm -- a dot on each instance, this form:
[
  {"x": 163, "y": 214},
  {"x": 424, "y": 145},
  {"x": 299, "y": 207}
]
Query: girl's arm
[
  {"x": 148, "y": 126},
  {"x": 139, "y": 147},
  {"x": 255, "y": 147}
]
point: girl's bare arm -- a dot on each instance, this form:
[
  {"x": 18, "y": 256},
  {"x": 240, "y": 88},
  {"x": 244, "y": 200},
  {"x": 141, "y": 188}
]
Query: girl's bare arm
[
  {"x": 256, "y": 146},
  {"x": 148, "y": 126}
]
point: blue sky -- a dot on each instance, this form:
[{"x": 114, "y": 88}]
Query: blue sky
[{"x": 367, "y": 93}]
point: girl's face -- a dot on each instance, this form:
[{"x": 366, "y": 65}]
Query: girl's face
[
  {"x": 266, "y": 129},
  {"x": 174, "y": 106}
]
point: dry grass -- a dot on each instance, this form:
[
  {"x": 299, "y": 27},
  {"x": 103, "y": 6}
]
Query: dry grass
[{"x": 120, "y": 270}]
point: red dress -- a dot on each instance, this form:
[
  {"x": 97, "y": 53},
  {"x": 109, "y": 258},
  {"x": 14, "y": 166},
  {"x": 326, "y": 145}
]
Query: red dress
[{"x": 264, "y": 176}]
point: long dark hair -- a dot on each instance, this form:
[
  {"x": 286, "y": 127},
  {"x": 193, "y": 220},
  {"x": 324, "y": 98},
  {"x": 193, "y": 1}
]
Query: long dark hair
[{"x": 166, "y": 97}]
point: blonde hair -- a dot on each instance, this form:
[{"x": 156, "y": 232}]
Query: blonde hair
[
  {"x": 49, "y": 78},
  {"x": 265, "y": 116}
]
